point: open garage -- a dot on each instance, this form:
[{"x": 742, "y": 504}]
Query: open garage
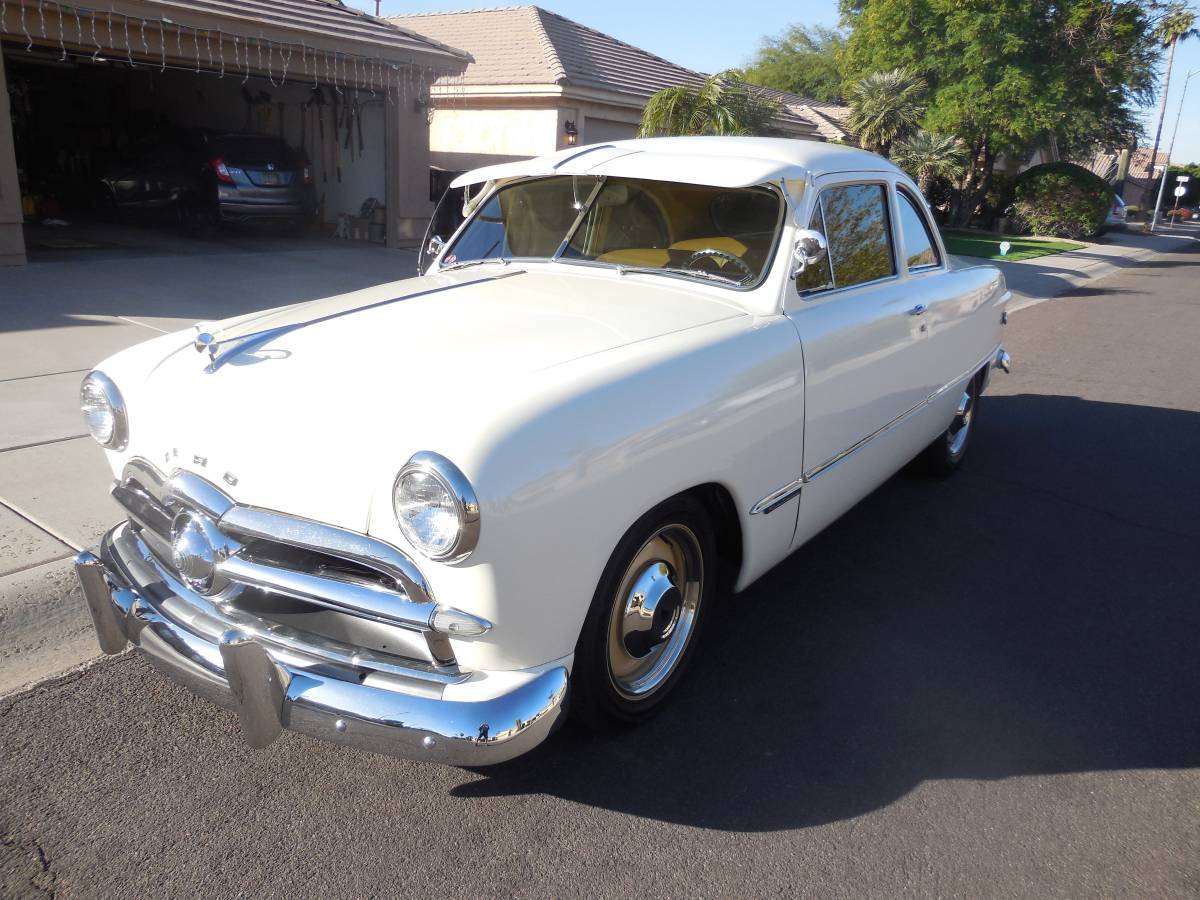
[{"x": 292, "y": 117}]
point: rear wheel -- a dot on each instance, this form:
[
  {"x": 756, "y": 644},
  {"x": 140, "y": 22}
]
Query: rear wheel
[
  {"x": 644, "y": 621},
  {"x": 946, "y": 453}
]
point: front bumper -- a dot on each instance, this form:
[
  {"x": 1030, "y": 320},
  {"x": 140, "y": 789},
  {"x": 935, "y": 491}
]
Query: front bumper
[{"x": 273, "y": 687}]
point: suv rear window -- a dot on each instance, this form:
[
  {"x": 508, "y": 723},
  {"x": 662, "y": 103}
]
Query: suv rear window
[{"x": 251, "y": 151}]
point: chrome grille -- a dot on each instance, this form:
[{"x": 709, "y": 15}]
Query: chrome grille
[{"x": 289, "y": 569}]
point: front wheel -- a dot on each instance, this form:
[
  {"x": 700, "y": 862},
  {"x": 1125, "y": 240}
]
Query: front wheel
[
  {"x": 644, "y": 621},
  {"x": 948, "y": 450}
]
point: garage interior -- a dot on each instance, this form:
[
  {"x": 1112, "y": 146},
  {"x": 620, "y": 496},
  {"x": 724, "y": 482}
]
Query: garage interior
[{"x": 92, "y": 90}]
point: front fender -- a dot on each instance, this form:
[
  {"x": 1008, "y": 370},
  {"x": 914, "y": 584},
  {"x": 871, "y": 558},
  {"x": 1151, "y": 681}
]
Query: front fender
[{"x": 566, "y": 462}]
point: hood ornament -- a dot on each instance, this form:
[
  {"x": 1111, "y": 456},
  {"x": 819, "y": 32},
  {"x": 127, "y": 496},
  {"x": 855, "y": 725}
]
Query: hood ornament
[{"x": 204, "y": 340}]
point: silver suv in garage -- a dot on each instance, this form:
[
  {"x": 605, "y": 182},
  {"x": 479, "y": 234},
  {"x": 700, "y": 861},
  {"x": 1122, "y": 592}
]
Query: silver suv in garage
[{"x": 253, "y": 178}]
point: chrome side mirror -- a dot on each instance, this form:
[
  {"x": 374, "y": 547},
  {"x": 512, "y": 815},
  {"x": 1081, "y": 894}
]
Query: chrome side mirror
[
  {"x": 435, "y": 245},
  {"x": 810, "y": 249}
]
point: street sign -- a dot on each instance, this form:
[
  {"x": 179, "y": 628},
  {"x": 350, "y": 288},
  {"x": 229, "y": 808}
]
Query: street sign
[
  {"x": 1180, "y": 191},
  {"x": 1183, "y": 177}
]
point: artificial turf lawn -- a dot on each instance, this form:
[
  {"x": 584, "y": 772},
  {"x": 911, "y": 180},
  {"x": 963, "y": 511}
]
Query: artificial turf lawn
[{"x": 987, "y": 246}]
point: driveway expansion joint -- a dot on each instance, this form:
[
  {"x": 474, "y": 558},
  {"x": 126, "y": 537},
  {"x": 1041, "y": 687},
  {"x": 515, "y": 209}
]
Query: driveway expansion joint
[{"x": 37, "y": 523}]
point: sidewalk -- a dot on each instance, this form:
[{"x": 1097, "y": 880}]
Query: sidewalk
[
  {"x": 59, "y": 316},
  {"x": 1043, "y": 278}
]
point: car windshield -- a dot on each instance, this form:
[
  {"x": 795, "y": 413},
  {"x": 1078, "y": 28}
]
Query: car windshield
[{"x": 718, "y": 234}]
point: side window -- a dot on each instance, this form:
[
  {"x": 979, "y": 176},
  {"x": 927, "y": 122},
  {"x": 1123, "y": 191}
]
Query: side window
[
  {"x": 854, "y": 219},
  {"x": 860, "y": 241},
  {"x": 918, "y": 242}
]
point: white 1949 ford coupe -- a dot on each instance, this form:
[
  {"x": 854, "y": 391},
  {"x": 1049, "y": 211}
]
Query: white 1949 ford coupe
[{"x": 423, "y": 517}]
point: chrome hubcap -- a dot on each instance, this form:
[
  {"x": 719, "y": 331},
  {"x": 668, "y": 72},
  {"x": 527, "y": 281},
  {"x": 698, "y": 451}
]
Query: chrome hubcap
[
  {"x": 961, "y": 426},
  {"x": 654, "y": 612}
]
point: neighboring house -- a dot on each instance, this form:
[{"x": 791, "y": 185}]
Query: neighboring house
[
  {"x": 540, "y": 82},
  {"x": 829, "y": 119},
  {"x": 1141, "y": 182}
]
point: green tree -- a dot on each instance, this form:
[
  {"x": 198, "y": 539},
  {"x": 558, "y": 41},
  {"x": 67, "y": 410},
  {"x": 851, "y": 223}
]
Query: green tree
[
  {"x": 885, "y": 107},
  {"x": 926, "y": 156},
  {"x": 803, "y": 60},
  {"x": 1009, "y": 75},
  {"x": 720, "y": 105},
  {"x": 1178, "y": 23}
]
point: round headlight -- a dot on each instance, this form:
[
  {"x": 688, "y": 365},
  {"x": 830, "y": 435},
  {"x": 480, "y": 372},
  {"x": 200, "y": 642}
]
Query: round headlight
[
  {"x": 104, "y": 411},
  {"x": 436, "y": 508}
]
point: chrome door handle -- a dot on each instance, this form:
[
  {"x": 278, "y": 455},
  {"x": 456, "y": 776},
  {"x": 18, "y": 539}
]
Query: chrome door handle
[{"x": 918, "y": 310}]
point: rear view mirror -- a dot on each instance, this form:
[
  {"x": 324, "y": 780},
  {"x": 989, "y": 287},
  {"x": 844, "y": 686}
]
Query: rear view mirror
[{"x": 810, "y": 249}]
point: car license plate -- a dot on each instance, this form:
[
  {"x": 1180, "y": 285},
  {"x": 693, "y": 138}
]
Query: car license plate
[{"x": 271, "y": 178}]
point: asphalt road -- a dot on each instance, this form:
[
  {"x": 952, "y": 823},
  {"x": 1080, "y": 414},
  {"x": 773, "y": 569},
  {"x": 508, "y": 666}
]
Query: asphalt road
[{"x": 986, "y": 686}]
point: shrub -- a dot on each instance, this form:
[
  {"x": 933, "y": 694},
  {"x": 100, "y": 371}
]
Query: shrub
[
  {"x": 1062, "y": 199},
  {"x": 1181, "y": 212},
  {"x": 999, "y": 197}
]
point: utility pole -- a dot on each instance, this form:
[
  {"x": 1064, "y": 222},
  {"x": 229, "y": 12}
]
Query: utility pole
[
  {"x": 1170, "y": 149},
  {"x": 377, "y": 9}
]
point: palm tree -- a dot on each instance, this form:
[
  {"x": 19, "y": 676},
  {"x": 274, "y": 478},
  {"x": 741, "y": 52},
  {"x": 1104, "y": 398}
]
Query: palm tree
[
  {"x": 1177, "y": 24},
  {"x": 885, "y": 107},
  {"x": 926, "y": 156},
  {"x": 720, "y": 105}
]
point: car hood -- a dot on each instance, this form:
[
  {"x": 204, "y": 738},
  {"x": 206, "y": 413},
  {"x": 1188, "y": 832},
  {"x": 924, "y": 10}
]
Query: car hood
[{"x": 308, "y": 406}]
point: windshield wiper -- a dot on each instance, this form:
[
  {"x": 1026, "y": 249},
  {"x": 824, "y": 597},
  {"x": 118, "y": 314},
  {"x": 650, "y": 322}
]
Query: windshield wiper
[
  {"x": 675, "y": 270},
  {"x": 504, "y": 261}
]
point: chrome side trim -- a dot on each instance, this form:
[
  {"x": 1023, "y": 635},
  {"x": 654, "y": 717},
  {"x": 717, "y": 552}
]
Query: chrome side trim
[
  {"x": 305, "y": 534},
  {"x": 778, "y": 497}
]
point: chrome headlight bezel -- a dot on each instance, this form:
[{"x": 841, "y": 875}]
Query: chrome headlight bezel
[
  {"x": 466, "y": 505},
  {"x": 119, "y": 438}
]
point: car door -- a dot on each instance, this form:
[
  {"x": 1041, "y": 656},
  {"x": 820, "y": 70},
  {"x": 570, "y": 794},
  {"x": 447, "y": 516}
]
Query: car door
[
  {"x": 956, "y": 332},
  {"x": 864, "y": 345}
]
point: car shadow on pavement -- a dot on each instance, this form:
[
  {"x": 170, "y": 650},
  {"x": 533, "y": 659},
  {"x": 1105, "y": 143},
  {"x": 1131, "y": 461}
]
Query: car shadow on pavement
[{"x": 1034, "y": 615}]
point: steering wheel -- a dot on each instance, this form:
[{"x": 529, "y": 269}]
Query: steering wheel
[{"x": 711, "y": 252}]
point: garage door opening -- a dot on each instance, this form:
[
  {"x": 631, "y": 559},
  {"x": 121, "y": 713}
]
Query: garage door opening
[
  {"x": 128, "y": 128},
  {"x": 108, "y": 142}
]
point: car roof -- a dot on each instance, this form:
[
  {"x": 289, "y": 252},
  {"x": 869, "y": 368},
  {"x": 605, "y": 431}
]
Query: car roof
[{"x": 718, "y": 161}]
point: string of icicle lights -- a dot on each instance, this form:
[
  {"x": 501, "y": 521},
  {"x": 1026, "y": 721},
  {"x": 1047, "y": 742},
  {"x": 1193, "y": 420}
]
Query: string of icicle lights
[{"x": 105, "y": 34}]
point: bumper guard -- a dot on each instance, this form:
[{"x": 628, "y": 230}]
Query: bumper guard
[{"x": 271, "y": 690}]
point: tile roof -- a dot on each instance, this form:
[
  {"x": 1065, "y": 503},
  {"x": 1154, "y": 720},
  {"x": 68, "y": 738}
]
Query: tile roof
[
  {"x": 530, "y": 45},
  {"x": 521, "y": 45},
  {"x": 1104, "y": 163},
  {"x": 326, "y": 18},
  {"x": 828, "y": 118}
]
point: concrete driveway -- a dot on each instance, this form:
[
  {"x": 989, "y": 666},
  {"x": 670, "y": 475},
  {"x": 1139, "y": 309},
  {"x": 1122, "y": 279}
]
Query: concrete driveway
[{"x": 86, "y": 294}]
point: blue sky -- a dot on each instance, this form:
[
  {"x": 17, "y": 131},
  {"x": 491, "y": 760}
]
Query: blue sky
[{"x": 710, "y": 35}]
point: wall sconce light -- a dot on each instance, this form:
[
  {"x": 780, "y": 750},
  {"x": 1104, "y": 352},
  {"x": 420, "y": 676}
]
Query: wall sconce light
[{"x": 571, "y": 132}]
